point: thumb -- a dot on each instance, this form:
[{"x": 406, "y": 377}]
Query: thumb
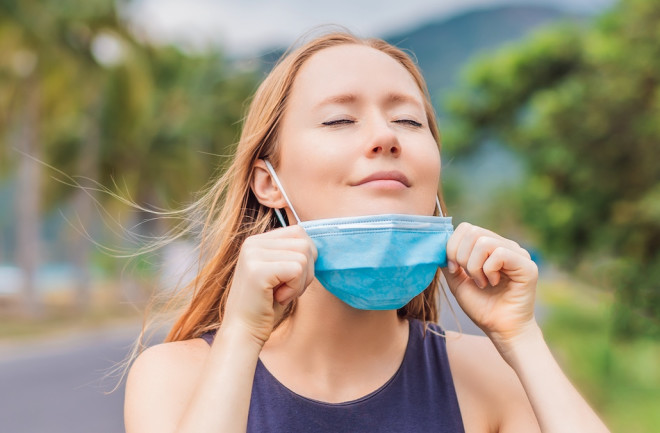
[{"x": 455, "y": 276}]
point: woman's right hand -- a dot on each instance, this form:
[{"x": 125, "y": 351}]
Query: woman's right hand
[{"x": 273, "y": 269}]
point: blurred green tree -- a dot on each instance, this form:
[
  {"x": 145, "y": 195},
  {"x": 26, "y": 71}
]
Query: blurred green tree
[
  {"x": 582, "y": 106},
  {"x": 28, "y": 95},
  {"x": 80, "y": 93},
  {"x": 50, "y": 115}
]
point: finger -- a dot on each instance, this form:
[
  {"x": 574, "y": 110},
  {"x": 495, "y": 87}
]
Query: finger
[
  {"x": 310, "y": 272},
  {"x": 453, "y": 244},
  {"x": 288, "y": 279},
  {"x": 284, "y": 295},
  {"x": 278, "y": 309},
  {"x": 482, "y": 249},
  {"x": 282, "y": 232},
  {"x": 455, "y": 279},
  {"x": 463, "y": 288},
  {"x": 466, "y": 231},
  {"x": 513, "y": 246},
  {"x": 471, "y": 234},
  {"x": 480, "y": 231},
  {"x": 463, "y": 238},
  {"x": 512, "y": 264},
  {"x": 295, "y": 240},
  {"x": 465, "y": 249},
  {"x": 523, "y": 252},
  {"x": 278, "y": 256},
  {"x": 302, "y": 246},
  {"x": 301, "y": 250}
]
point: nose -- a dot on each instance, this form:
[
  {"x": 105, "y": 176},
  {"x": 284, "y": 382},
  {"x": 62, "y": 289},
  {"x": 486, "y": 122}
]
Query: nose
[{"x": 383, "y": 140}]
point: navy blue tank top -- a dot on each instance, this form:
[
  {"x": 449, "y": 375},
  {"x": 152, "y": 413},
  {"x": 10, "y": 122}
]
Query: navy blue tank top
[{"x": 419, "y": 398}]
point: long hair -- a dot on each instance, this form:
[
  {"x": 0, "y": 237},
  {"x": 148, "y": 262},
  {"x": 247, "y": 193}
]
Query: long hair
[{"x": 231, "y": 212}]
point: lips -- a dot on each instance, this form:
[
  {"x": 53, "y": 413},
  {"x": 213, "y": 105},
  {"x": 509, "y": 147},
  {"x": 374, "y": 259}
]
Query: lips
[{"x": 386, "y": 175}]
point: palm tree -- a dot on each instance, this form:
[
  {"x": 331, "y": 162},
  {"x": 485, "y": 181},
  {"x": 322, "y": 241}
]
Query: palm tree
[
  {"x": 52, "y": 92},
  {"x": 149, "y": 120},
  {"x": 22, "y": 109}
]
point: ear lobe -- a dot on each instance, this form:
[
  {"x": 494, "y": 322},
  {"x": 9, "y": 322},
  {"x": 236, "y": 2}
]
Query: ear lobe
[{"x": 264, "y": 187}]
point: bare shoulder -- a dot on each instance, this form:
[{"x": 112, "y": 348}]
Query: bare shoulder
[
  {"x": 161, "y": 381},
  {"x": 173, "y": 354},
  {"x": 475, "y": 361},
  {"x": 486, "y": 386},
  {"x": 467, "y": 348}
]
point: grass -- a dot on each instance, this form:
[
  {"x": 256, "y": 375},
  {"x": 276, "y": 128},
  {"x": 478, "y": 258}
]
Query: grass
[{"x": 620, "y": 378}]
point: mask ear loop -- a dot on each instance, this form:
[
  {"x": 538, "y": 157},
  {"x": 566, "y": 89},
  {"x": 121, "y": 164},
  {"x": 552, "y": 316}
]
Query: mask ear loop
[
  {"x": 437, "y": 202},
  {"x": 279, "y": 185}
]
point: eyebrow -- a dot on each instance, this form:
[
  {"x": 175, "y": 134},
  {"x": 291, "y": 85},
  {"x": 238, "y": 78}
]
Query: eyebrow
[
  {"x": 402, "y": 98},
  {"x": 348, "y": 98},
  {"x": 390, "y": 99}
]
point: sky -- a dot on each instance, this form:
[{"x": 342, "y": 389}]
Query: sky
[{"x": 245, "y": 27}]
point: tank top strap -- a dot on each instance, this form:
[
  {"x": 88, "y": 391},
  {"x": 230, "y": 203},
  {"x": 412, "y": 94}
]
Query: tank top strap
[{"x": 208, "y": 336}]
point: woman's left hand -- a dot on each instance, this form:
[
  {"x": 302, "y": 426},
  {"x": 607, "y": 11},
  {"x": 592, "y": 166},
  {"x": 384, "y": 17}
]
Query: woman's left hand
[{"x": 494, "y": 282}]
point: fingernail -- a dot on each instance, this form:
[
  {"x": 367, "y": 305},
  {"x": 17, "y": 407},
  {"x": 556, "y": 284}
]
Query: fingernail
[{"x": 452, "y": 266}]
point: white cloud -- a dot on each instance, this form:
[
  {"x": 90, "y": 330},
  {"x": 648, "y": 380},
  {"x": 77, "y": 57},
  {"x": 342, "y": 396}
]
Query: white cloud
[{"x": 244, "y": 27}]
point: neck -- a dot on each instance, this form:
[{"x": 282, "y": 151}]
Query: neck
[
  {"x": 334, "y": 343},
  {"x": 324, "y": 323}
]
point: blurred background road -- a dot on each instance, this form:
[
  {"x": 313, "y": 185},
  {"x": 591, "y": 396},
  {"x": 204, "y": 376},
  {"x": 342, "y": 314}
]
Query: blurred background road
[{"x": 57, "y": 385}]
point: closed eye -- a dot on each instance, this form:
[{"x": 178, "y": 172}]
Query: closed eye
[
  {"x": 409, "y": 122},
  {"x": 338, "y": 122}
]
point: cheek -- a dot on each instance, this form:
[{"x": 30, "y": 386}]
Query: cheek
[
  {"x": 312, "y": 168},
  {"x": 319, "y": 156},
  {"x": 428, "y": 163},
  {"x": 313, "y": 161}
]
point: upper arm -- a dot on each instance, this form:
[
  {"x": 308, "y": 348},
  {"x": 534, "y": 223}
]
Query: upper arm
[
  {"x": 159, "y": 385},
  {"x": 489, "y": 391}
]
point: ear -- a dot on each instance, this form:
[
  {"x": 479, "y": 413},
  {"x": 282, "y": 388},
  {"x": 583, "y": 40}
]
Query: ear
[{"x": 264, "y": 187}]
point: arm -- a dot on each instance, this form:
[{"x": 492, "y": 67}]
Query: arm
[
  {"x": 494, "y": 281},
  {"x": 557, "y": 404},
  {"x": 222, "y": 398},
  {"x": 185, "y": 387}
]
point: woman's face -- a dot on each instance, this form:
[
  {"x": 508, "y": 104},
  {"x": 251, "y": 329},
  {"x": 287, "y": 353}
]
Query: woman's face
[{"x": 354, "y": 138}]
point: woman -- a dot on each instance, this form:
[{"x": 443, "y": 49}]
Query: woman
[{"x": 343, "y": 127}]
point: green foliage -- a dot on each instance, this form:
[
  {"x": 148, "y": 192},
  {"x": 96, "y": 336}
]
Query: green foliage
[
  {"x": 582, "y": 108},
  {"x": 442, "y": 47},
  {"x": 497, "y": 88},
  {"x": 154, "y": 123},
  {"x": 619, "y": 377}
]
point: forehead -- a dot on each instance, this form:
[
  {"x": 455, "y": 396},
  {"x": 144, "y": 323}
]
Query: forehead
[{"x": 354, "y": 69}]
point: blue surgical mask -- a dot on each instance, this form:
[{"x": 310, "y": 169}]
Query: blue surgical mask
[{"x": 376, "y": 262}]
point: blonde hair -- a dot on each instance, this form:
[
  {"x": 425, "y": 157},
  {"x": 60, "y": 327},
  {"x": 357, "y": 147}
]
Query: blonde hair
[{"x": 231, "y": 212}]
